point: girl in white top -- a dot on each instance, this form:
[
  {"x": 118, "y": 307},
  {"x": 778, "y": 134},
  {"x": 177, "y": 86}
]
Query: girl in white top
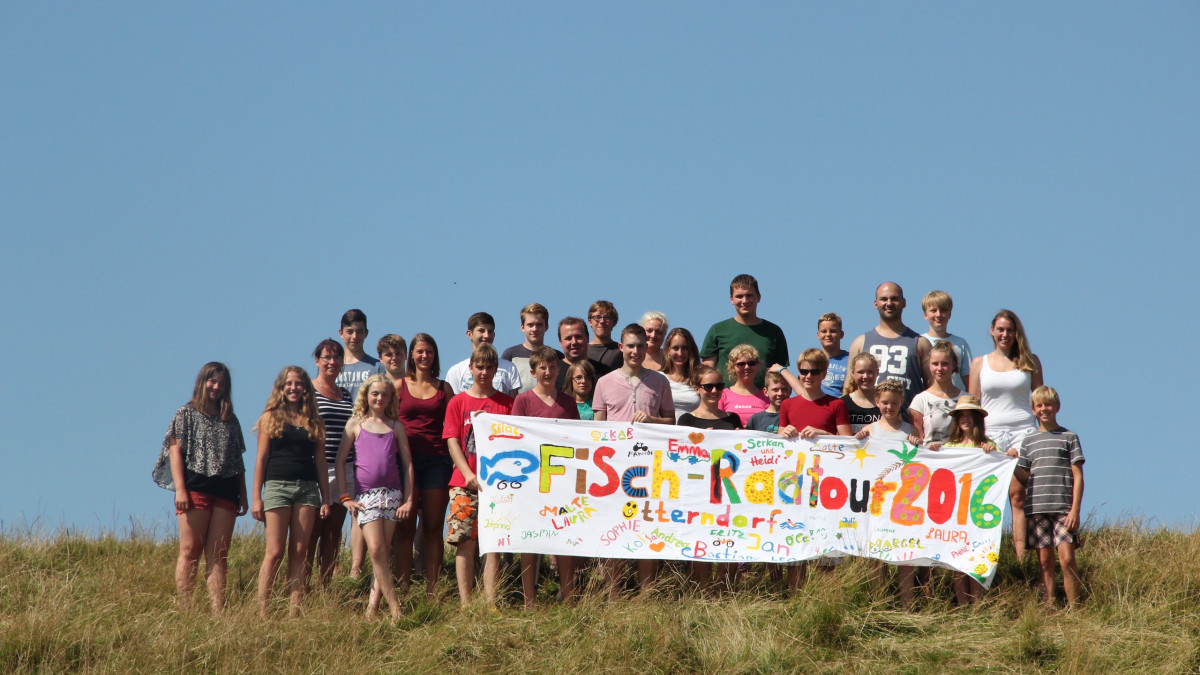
[
  {"x": 655, "y": 324},
  {"x": 680, "y": 368},
  {"x": 1003, "y": 380},
  {"x": 930, "y": 409}
]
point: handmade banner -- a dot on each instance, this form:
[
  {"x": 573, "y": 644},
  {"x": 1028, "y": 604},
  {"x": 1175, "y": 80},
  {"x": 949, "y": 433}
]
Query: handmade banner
[{"x": 621, "y": 490}]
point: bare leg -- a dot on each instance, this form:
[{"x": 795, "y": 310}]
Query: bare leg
[
  {"x": 1071, "y": 584},
  {"x": 433, "y": 516},
  {"x": 326, "y": 543},
  {"x": 1016, "y": 497},
  {"x": 529, "y": 570},
  {"x": 277, "y": 522},
  {"x": 402, "y": 552},
  {"x": 797, "y": 575},
  {"x": 614, "y": 569},
  {"x": 378, "y": 536},
  {"x": 962, "y": 594},
  {"x": 193, "y": 528},
  {"x": 303, "y": 523},
  {"x": 464, "y": 569},
  {"x": 358, "y": 549},
  {"x": 646, "y": 570},
  {"x": 566, "y": 577},
  {"x": 904, "y": 575},
  {"x": 216, "y": 550},
  {"x": 702, "y": 574},
  {"x": 1046, "y": 561},
  {"x": 491, "y": 576}
]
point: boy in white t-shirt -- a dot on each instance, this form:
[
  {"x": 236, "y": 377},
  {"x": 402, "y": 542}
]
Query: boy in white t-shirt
[
  {"x": 938, "y": 306},
  {"x": 481, "y": 330}
]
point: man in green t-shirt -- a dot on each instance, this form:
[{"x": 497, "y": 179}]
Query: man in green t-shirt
[{"x": 745, "y": 328}]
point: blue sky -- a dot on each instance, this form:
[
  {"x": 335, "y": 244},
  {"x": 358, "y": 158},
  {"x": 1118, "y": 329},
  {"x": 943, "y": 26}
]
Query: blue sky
[{"x": 220, "y": 182}]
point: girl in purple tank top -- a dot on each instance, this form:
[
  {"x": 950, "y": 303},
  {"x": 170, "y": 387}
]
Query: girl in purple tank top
[{"x": 383, "y": 469}]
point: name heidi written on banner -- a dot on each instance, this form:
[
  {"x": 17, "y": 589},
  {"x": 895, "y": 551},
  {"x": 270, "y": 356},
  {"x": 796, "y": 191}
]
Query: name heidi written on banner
[{"x": 655, "y": 491}]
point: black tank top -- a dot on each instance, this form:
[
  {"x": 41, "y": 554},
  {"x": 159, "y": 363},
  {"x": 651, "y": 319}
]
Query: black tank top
[{"x": 291, "y": 455}]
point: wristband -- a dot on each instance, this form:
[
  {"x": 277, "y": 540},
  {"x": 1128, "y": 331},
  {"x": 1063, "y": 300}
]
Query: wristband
[
  {"x": 343, "y": 499},
  {"x": 782, "y": 371}
]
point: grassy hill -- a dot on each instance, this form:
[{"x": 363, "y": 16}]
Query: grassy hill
[{"x": 71, "y": 604}]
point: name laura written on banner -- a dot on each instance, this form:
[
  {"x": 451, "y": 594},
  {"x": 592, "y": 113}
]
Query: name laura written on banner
[{"x": 619, "y": 490}]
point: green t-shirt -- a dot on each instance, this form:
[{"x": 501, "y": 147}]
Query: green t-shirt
[{"x": 766, "y": 337}]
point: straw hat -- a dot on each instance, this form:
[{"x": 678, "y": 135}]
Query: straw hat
[{"x": 967, "y": 403}]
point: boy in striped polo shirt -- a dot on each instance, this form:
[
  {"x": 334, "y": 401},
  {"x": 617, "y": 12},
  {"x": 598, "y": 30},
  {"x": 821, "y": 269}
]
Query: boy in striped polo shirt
[{"x": 1051, "y": 466}]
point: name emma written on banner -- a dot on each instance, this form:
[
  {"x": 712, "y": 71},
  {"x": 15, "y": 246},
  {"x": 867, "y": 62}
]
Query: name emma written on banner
[{"x": 615, "y": 490}]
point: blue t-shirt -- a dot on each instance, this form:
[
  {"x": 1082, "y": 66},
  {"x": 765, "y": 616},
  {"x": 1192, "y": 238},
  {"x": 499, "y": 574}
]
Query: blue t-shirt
[{"x": 835, "y": 377}]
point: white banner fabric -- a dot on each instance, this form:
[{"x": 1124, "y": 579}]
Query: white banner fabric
[{"x": 623, "y": 490}]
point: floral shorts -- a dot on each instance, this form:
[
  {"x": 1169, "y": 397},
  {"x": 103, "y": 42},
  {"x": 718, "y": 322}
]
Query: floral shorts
[
  {"x": 463, "y": 521},
  {"x": 379, "y": 503},
  {"x": 1048, "y": 530}
]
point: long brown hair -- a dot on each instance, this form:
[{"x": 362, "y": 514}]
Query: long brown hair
[
  {"x": 1022, "y": 355},
  {"x": 200, "y": 402},
  {"x": 275, "y": 415},
  {"x": 956, "y": 433},
  {"x": 689, "y": 367}
]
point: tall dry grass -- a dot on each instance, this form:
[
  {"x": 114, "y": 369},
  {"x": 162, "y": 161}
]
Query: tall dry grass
[{"x": 74, "y": 604}]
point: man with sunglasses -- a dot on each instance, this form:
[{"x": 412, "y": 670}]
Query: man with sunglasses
[{"x": 902, "y": 354}]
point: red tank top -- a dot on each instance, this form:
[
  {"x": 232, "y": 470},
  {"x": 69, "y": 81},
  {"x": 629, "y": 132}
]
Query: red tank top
[{"x": 423, "y": 420}]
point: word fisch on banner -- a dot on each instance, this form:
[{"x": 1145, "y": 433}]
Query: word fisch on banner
[{"x": 619, "y": 490}]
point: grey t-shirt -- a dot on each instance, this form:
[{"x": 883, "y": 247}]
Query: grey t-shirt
[
  {"x": 1048, "y": 456},
  {"x": 898, "y": 360},
  {"x": 354, "y": 374}
]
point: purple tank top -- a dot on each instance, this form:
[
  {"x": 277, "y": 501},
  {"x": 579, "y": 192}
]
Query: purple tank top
[{"x": 375, "y": 464}]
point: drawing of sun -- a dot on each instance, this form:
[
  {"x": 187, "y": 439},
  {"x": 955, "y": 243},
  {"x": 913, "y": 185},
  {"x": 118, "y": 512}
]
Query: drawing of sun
[{"x": 861, "y": 455}]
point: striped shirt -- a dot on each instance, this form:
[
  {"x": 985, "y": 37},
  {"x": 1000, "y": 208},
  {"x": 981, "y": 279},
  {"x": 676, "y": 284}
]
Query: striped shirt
[
  {"x": 1048, "y": 456},
  {"x": 335, "y": 414}
]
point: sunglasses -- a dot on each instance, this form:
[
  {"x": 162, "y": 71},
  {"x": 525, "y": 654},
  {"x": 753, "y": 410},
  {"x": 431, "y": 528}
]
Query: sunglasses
[
  {"x": 811, "y": 371},
  {"x": 713, "y": 386},
  {"x": 746, "y": 364}
]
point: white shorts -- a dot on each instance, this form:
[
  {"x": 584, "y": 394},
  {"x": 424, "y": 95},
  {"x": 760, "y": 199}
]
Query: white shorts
[{"x": 379, "y": 503}]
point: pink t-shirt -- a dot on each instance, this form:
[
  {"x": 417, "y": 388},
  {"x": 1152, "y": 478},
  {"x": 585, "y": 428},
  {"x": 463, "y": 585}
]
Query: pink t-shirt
[
  {"x": 619, "y": 397},
  {"x": 744, "y": 406}
]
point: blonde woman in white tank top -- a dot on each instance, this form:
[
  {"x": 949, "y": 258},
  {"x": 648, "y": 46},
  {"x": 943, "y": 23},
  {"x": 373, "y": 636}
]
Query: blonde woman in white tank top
[{"x": 1003, "y": 380}]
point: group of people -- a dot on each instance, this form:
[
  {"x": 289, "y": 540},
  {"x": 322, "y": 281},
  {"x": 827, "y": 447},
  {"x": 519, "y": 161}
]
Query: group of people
[{"x": 389, "y": 442}]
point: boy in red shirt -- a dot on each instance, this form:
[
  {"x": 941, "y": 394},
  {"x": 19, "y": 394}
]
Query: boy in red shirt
[{"x": 463, "y": 521}]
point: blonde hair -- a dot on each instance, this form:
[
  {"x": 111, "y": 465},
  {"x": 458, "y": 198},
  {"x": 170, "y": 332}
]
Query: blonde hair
[
  {"x": 702, "y": 370},
  {"x": 535, "y": 309},
  {"x": 817, "y": 357},
  {"x": 945, "y": 347},
  {"x": 275, "y": 415},
  {"x": 484, "y": 355},
  {"x": 830, "y": 316},
  {"x": 891, "y": 384},
  {"x": 652, "y": 315},
  {"x": 771, "y": 378},
  {"x": 360, "y": 403},
  {"x": 851, "y": 385},
  {"x": 1044, "y": 394},
  {"x": 939, "y": 299},
  {"x": 1023, "y": 355},
  {"x": 736, "y": 354}
]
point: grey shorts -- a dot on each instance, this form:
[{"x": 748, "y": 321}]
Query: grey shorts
[{"x": 282, "y": 494}]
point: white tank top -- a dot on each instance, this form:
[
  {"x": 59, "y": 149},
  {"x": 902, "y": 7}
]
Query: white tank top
[{"x": 1005, "y": 396}]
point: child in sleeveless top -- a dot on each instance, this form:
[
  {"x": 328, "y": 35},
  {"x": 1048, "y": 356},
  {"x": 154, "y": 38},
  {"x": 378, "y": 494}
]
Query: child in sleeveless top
[
  {"x": 383, "y": 469},
  {"x": 860, "y": 391},
  {"x": 968, "y": 432}
]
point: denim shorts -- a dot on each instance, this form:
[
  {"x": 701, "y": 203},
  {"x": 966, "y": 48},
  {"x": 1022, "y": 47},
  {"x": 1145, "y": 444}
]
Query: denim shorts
[
  {"x": 282, "y": 494},
  {"x": 432, "y": 472}
]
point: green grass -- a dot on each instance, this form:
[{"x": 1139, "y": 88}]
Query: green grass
[{"x": 107, "y": 604}]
